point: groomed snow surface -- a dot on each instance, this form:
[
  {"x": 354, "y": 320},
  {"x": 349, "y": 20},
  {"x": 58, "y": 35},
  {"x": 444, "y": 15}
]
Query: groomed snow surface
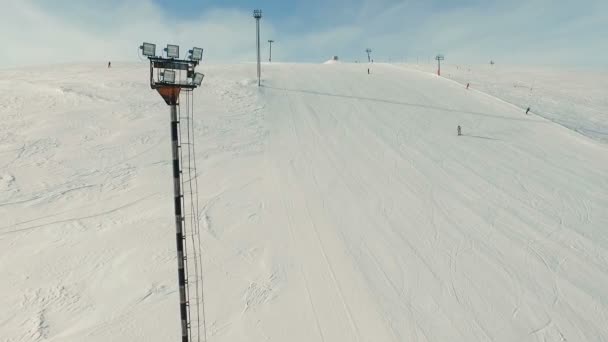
[
  {"x": 574, "y": 98},
  {"x": 335, "y": 206}
]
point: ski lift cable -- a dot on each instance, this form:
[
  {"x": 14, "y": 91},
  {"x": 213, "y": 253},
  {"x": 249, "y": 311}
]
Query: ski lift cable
[
  {"x": 193, "y": 217},
  {"x": 184, "y": 225},
  {"x": 201, "y": 270}
]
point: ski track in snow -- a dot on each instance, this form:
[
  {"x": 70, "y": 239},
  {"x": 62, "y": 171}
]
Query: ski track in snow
[
  {"x": 578, "y": 103},
  {"x": 336, "y": 206}
]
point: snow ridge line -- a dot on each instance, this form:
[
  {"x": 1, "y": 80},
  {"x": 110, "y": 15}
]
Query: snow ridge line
[{"x": 539, "y": 114}]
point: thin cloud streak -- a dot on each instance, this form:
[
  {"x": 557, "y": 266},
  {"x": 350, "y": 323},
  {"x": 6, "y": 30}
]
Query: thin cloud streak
[{"x": 466, "y": 31}]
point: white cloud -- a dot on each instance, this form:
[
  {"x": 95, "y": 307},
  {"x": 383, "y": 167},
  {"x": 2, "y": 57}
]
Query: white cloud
[
  {"x": 466, "y": 31},
  {"x": 39, "y": 35},
  {"x": 516, "y": 31}
]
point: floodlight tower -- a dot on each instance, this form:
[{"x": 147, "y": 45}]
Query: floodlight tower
[
  {"x": 165, "y": 77},
  {"x": 270, "y": 41},
  {"x": 439, "y": 58},
  {"x": 257, "y": 14},
  {"x": 369, "y": 59}
]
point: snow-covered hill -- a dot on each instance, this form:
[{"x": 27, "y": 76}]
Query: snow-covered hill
[
  {"x": 336, "y": 206},
  {"x": 574, "y": 98}
]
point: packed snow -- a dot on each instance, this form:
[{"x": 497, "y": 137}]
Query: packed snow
[
  {"x": 332, "y": 61},
  {"x": 572, "y": 97},
  {"x": 336, "y": 206}
]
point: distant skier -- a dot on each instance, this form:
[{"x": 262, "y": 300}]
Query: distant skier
[
  {"x": 109, "y": 65},
  {"x": 368, "y": 71},
  {"x": 468, "y": 85},
  {"x": 459, "y": 130},
  {"x": 527, "y": 110}
]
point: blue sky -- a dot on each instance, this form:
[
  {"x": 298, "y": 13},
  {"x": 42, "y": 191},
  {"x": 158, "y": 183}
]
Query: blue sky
[{"x": 555, "y": 32}]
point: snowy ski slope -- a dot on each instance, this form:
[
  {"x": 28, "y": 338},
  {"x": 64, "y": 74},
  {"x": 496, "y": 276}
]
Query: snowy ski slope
[
  {"x": 337, "y": 206},
  {"x": 574, "y": 98}
]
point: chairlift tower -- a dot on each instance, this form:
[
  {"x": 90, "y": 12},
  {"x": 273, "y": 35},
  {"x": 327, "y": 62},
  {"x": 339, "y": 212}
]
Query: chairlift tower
[
  {"x": 439, "y": 58},
  {"x": 257, "y": 14},
  {"x": 167, "y": 77}
]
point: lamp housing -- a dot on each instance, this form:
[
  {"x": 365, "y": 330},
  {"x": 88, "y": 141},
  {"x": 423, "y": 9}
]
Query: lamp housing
[
  {"x": 168, "y": 76},
  {"x": 148, "y": 49},
  {"x": 172, "y": 51},
  {"x": 198, "y": 78},
  {"x": 196, "y": 54}
]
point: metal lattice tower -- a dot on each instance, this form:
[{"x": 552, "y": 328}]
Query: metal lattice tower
[
  {"x": 270, "y": 41},
  {"x": 439, "y": 58},
  {"x": 166, "y": 78},
  {"x": 257, "y": 14}
]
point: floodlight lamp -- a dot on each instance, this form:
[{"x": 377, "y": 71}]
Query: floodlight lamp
[
  {"x": 196, "y": 54},
  {"x": 257, "y": 13},
  {"x": 198, "y": 79},
  {"x": 169, "y": 76},
  {"x": 148, "y": 49},
  {"x": 172, "y": 51}
]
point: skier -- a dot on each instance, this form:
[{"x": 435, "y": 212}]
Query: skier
[
  {"x": 109, "y": 65},
  {"x": 467, "y": 85},
  {"x": 459, "y": 130},
  {"x": 527, "y": 110},
  {"x": 368, "y": 71}
]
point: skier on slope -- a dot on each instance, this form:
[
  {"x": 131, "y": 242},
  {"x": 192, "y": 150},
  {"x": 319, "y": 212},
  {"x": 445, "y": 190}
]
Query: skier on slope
[
  {"x": 459, "y": 129},
  {"x": 527, "y": 110}
]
